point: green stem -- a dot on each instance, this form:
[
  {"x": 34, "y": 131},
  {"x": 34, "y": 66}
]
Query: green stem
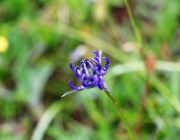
[
  {"x": 120, "y": 112},
  {"x": 136, "y": 31}
]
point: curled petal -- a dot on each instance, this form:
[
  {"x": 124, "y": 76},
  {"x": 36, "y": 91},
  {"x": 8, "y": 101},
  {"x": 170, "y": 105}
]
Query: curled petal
[
  {"x": 98, "y": 82},
  {"x": 107, "y": 62},
  {"x": 75, "y": 87},
  {"x": 97, "y": 59},
  {"x": 83, "y": 81},
  {"x": 83, "y": 61},
  {"x": 90, "y": 64},
  {"x": 97, "y": 63},
  {"x": 71, "y": 65},
  {"x": 105, "y": 68},
  {"x": 86, "y": 70},
  {"x": 80, "y": 71},
  {"x": 77, "y": 72},
  {"x": 103, "y": 71},
  {"x": 98, "y": 54}
]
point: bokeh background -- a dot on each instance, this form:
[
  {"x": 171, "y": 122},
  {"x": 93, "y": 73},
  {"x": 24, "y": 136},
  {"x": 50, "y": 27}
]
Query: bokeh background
[{"x": 38, "y": 40}]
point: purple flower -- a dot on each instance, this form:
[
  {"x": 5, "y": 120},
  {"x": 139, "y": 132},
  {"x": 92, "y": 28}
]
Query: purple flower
[{"x": 90, "y": 72}]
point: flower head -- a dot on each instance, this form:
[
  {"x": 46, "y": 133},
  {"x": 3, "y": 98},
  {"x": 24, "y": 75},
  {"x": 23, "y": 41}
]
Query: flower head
[{"x": 90, "y": 72}]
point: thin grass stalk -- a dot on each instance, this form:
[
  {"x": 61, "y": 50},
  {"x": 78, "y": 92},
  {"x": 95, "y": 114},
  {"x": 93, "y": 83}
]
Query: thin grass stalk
[
  {"x": 120, "y": 112},
  {"x": 136, "y": 30}
]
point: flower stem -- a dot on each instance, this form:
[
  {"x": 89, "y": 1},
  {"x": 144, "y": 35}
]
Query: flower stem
[{"x": 120, "y": 112}]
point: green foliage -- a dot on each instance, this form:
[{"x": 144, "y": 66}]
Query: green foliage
[{"x": 34, "y": 71}]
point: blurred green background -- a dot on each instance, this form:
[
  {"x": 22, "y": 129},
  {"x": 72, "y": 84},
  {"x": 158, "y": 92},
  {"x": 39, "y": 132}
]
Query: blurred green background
[{"x": 38, "y": 40}]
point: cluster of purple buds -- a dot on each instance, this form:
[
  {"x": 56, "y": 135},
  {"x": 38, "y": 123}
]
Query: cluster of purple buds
[{"x": 90, "y": 72}]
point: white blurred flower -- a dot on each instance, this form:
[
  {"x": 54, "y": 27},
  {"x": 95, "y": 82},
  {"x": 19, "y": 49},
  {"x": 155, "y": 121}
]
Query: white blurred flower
[{"x": 78, "y": 53}]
